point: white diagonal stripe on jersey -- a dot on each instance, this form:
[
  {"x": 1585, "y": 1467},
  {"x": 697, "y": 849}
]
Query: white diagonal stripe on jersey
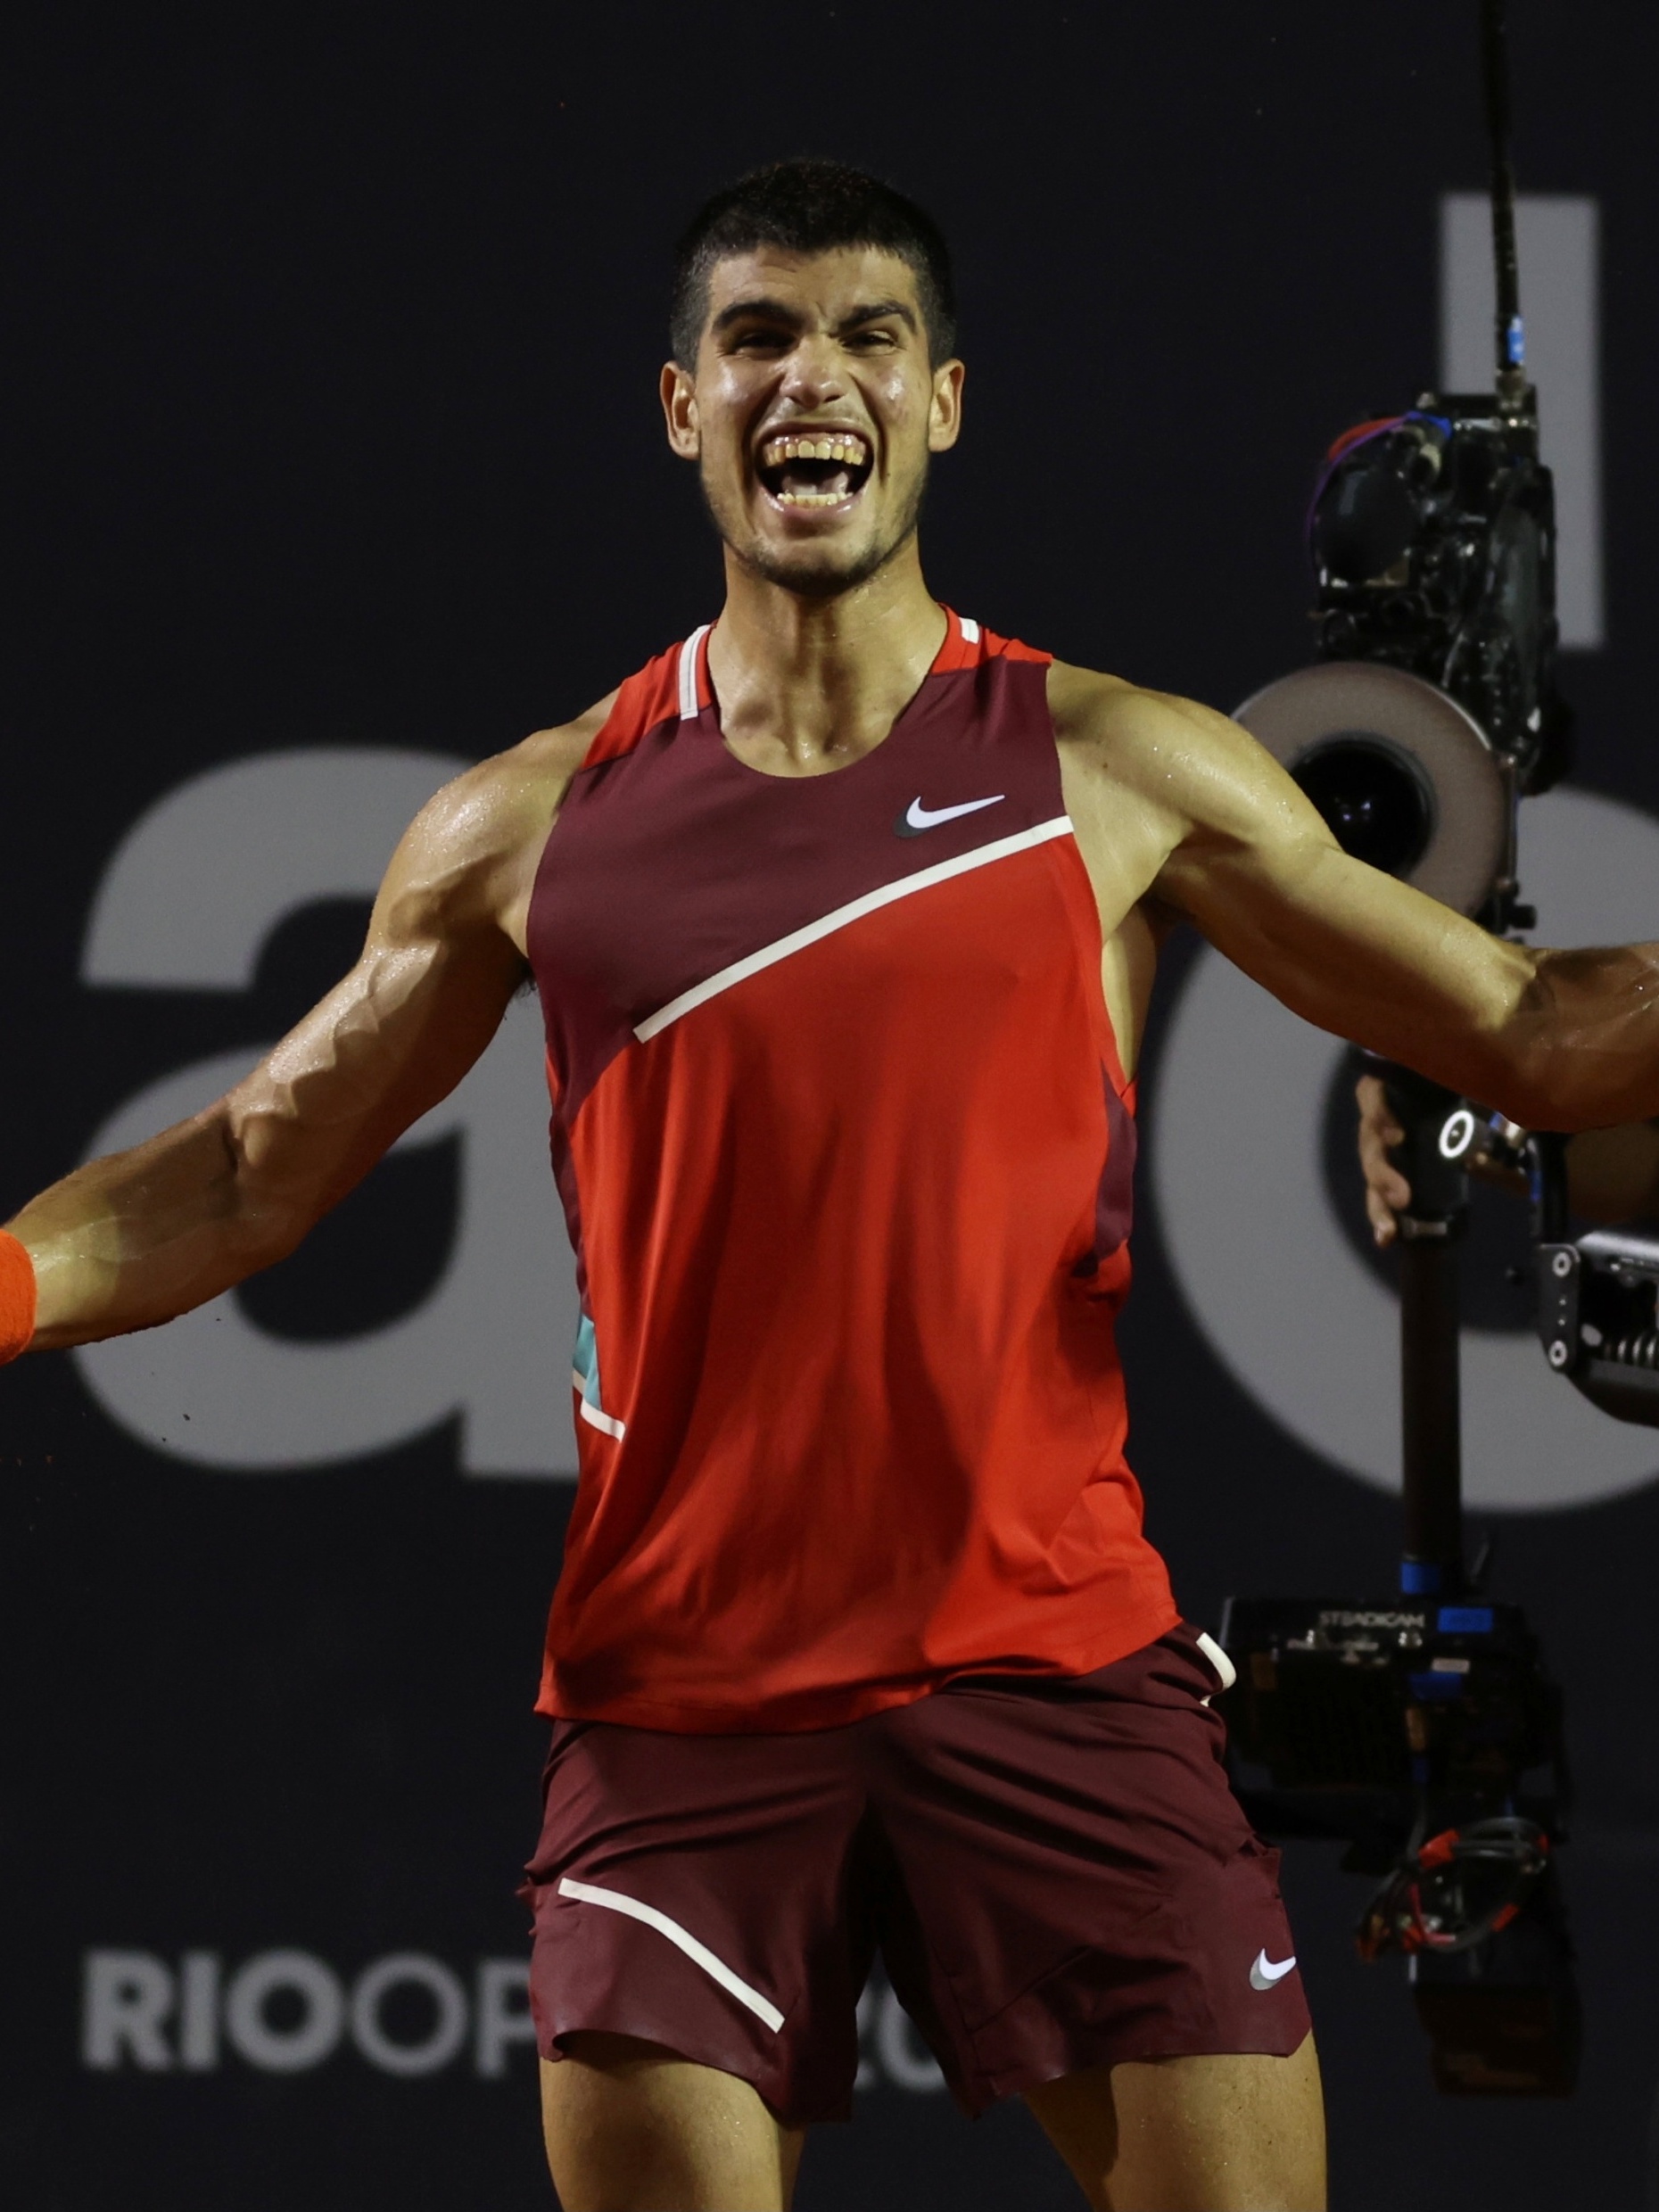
[
  {"x": 970, "y": 629},
  {"x": 594, "y": 1417},
  {"x": 689, "y": 652},
  {"x": 798, "y": 940},
  {"x": 699, "y": 1953}
]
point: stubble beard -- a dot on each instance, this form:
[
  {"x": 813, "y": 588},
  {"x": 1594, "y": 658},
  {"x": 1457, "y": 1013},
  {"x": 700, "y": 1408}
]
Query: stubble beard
[{"x": 808, "y": 576}]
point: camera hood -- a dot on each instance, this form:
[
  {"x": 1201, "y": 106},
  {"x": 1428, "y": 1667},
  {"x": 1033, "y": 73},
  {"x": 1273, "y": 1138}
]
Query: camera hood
[{"x": 1402, "y": 773}]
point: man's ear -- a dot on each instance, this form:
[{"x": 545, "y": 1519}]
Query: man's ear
[
  {"x": 944, "y": 411},
  {"x": 680, "y": 411}
]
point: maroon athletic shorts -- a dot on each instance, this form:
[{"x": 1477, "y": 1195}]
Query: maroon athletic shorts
[{"x": 1054, "y": 1871}]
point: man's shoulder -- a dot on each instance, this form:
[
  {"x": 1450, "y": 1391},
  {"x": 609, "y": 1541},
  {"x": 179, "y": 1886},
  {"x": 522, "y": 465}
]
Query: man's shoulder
[
  {"x": 1129, "y": 727},
  {"x": 516, "y": 789},
  {"x": 491, "y": 813},
  {"x": 475, "y": 842},
  {"x": 559, "y": 750},
  {"x": 1179, "y": 767}
]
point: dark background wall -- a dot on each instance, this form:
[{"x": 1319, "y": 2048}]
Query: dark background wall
[{"x": 330, "y": 344}]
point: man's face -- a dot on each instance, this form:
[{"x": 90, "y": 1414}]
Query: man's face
[{"x": 813, "y": 411}]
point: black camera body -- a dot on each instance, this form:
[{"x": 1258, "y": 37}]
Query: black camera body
[
  {"x": 1432, "y": 536},
  {"x": 1346, "y": 1710},
  {"x": 1432, "y": 707}
]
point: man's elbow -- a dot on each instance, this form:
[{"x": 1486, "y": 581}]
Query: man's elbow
[
  {"x": 1545, "y": 1083},
  {"x": 267, "y": 1213}
]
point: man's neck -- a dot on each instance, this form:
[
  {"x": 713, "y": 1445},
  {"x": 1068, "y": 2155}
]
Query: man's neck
[{"x": 806, "y": 685}]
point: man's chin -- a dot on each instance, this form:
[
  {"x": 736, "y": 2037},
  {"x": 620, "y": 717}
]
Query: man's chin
[
  {"x": 816, "y": 571},
  {"x": 819, "y": 566}
]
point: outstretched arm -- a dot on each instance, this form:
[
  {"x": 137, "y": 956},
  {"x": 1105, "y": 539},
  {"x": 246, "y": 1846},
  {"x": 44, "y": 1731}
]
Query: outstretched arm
[
  {"x": 132, "y": 1239},
  {"x": 1556, "y": 1040}
]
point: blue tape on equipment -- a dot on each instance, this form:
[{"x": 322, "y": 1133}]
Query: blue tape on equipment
[
  {"x": 1418, "y": 1578},
  {"x": 1515, "y": 342},
  {"x": 1464, "y": 1621},
  {"x": 1434, "y": 1689}
]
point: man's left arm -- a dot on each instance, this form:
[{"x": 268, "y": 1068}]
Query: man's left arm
[{"x": 1562, "y": 1040}]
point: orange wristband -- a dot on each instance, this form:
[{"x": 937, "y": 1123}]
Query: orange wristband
[{"x": 17, "y": 1298}]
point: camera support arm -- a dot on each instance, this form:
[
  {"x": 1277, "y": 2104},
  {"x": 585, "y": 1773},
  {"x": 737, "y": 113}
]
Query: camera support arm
[{"x": 1430, "y": 1414}]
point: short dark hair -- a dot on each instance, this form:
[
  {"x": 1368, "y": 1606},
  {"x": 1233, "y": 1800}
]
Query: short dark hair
[{"x": 811, "y": 206}]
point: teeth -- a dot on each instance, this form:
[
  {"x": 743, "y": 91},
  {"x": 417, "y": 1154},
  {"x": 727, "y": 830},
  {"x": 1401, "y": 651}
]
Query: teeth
[{"x": 848, "y": 448}]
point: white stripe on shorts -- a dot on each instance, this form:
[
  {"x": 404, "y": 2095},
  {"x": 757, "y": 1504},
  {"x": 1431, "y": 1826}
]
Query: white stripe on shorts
[{"x": 584, "y": 1892}]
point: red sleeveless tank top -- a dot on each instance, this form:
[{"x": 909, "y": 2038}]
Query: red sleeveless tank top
[{"x": 845, "y": 1151}]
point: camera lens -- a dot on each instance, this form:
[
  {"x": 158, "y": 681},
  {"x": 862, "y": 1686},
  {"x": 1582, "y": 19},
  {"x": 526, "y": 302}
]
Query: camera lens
[{"x": 1373, "y": 797}]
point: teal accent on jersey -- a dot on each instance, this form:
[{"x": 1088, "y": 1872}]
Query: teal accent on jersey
[{"x": 585, "y": 1361}]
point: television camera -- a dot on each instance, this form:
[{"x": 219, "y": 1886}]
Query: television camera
[{"x": 1422, "y": 1728}]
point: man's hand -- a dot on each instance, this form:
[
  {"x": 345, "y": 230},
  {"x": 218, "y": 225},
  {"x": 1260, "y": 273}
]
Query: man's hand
[{"x": 1387, "y": 1192}]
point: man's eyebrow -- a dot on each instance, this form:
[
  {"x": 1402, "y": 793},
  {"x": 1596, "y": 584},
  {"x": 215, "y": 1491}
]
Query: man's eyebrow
[
  {"x": 759, "y": 309},
  {"x": 762, "y": 309},
  {"x": 876, "y": 311}
]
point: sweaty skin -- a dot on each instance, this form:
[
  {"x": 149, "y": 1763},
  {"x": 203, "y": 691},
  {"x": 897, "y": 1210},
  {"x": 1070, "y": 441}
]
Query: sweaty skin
[{"x": 828, "y": 629}]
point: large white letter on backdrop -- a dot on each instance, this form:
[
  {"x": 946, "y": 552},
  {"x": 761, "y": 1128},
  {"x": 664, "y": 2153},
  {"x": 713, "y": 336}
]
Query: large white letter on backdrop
[
  {"x": 188, "y": 902},
  {"x": 1284, "y": 1300}
]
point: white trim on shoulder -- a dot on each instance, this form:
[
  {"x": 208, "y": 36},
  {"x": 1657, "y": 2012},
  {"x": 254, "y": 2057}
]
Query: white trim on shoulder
[
  {"x": 970, "y": 629},
  {"x": 798, "y": 940},
  {"x": 584, "y": 1892},
  {"x": 689, "y": 653}
]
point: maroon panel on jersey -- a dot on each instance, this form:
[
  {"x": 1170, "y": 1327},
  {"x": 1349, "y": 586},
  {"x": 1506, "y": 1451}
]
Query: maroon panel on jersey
[{"x": 673, "y": 858}]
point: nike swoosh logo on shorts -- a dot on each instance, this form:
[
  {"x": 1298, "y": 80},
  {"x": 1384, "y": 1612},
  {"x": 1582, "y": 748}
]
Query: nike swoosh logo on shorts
[
  {"x": 916, "y": 817},
  {"x": 1268, "y": 1973}
]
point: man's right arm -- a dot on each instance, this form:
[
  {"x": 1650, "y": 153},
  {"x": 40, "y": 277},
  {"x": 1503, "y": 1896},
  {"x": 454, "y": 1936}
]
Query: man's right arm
[{"x": 130, "y": 1241}]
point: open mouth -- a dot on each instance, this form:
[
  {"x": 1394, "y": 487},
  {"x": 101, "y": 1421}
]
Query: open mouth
[{"x": 815, "y": 467}]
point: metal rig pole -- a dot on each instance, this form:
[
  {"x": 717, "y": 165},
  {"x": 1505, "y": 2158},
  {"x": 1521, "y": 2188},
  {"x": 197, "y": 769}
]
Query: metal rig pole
[{"x": 1431, "y": 1409}]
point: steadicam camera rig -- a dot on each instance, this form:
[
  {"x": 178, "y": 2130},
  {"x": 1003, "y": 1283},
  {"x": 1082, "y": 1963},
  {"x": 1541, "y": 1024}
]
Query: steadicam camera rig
[{"x": 1422, "y": 1728}]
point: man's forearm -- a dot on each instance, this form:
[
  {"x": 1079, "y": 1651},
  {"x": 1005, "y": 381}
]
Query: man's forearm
[{"x": 132, "y": 1239}]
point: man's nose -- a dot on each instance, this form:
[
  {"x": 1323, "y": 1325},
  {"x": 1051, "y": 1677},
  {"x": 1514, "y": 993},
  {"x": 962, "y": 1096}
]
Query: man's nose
[{"x": 813, "y": 372}]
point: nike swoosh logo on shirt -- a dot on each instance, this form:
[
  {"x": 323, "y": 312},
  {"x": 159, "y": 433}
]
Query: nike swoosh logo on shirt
[
  {"x": 916, "y": 817},
  {"x": 1266, "y": 1972}
]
